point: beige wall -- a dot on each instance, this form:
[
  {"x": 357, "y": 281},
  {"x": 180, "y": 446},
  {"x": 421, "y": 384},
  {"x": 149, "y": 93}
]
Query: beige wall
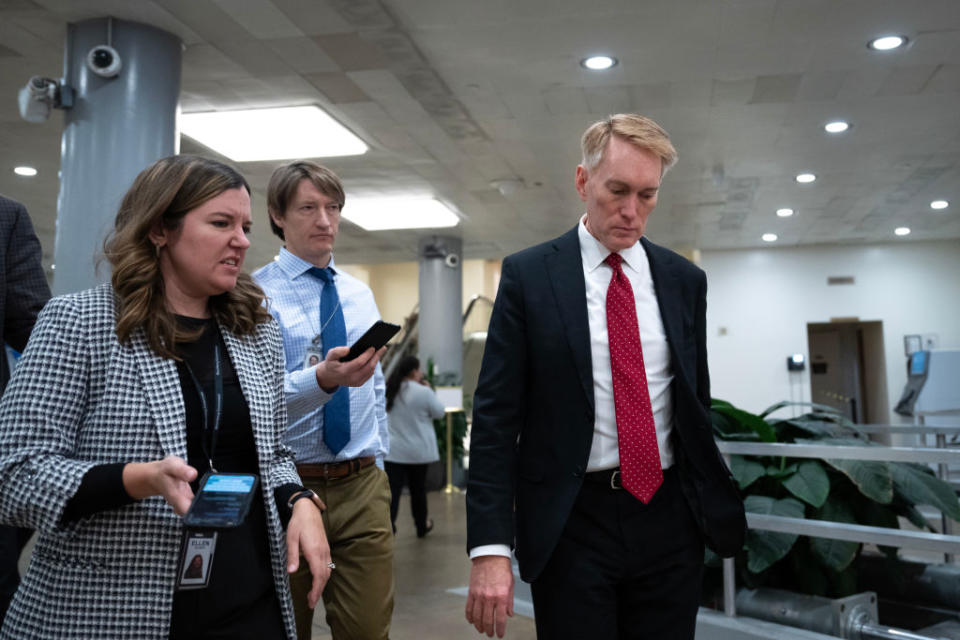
[{"x": 395, "y": 285}]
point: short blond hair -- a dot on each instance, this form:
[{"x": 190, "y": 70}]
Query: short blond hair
[
  {"x": 640, "y": 131},
  {"x": 286, "y": 179}
]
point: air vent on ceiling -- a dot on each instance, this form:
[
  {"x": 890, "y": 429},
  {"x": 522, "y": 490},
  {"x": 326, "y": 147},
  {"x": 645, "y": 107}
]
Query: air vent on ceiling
[{"x": 832, "y": 280}]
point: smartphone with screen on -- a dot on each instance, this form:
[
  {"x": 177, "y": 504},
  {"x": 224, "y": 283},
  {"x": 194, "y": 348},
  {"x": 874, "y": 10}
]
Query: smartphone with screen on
[
  {"x": 222, "y": 501},
  {"x": 376, "y": 336}
]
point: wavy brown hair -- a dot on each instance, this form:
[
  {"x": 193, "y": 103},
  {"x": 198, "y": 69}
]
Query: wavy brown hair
[{"x": 162, "y": 195}]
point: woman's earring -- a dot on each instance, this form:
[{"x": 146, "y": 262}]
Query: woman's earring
[{"x": 157, "y": 247}]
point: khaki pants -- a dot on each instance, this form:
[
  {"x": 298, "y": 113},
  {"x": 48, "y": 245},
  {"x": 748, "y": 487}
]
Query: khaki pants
[{"x": 358, "y": 597}]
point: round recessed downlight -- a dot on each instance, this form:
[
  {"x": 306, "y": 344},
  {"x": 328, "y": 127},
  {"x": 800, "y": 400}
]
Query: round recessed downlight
[
  {"x": 769, "y": 237},
  {"x": 28, "y": 172},
  {"x": 784, "y": 213},
  {"x": 902, "y": 231},
  {"x": 598, "y": 63},
  {"x": 837, "y": 126},
  {"x": 805, "y": 178},
  {"x": 939, "y": 204},
  {"x": 886, "y": 43}
]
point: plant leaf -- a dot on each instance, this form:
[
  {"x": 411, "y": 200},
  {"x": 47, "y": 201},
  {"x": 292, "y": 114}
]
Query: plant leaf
[
  {"x": 745, "y": 471},
  {"x": 747, "y": 421},
  {"x": 810, "y": 483},
  {"x": 916, "y": 484},
  {"x": 872, "y": 478},
  {"x": 767, "y": 547},
  {"x": 834, "y": 554}
]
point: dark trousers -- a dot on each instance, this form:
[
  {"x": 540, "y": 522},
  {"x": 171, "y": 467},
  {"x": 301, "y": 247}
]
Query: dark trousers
[
  {"x": 622, "y": 569},
  {"x": 12, "y": 542},
  {"x": 415, "y": 476}
]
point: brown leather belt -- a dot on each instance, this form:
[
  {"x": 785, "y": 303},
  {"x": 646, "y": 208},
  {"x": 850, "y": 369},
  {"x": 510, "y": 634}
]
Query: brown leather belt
[{"x": 334, "y": 470}]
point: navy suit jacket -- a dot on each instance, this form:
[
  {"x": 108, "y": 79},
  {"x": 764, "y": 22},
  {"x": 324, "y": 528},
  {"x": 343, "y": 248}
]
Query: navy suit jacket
[{"x": 533, "y": 413}]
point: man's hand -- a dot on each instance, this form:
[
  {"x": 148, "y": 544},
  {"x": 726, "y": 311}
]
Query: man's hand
[
  {"x": 331, "y": 373},
  {"x": 306, "y": 535},
  {"x": 490, "y": 599},
  {"x": 170, "y": 478}
]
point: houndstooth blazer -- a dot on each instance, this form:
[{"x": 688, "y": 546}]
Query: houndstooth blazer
[{"x": 78, "y": 399}]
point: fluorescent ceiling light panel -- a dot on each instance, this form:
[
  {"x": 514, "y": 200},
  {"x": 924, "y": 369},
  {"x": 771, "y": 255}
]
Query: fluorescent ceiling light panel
[
  {"x": 378, "y": 214},
  {"x": 272, "y": 134},
  {"x": 902, "y": 231},
  {"x": 598, "y": 63},
  {"x": 939, "y": 204},
  {"x": 785, "y": 213},
  {"x": 887, "y": 43},
  {"x": 837, "y": 126},
  {"x": 769, "y": 237},
  {"x": 806, "y": 178},
  {"x": 25, "y": 171}
]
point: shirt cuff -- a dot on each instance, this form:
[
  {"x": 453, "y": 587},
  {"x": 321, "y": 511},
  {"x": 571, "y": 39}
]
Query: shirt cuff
[
  {"x": 490, "y": 550},
  {"x": 101, "y": 489},
  {"x": 282, "y": 495},
  {"x": 304, "y": 386}
]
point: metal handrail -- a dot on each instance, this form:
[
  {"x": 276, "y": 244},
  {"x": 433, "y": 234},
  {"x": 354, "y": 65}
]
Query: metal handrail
[
  {"x": 840, "y": 452},
  {"x": 907, "y": 428},
  {"x": 941, "y": 543}
]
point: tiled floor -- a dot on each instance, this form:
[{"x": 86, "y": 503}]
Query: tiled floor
[{"x": 425, "y": 568}]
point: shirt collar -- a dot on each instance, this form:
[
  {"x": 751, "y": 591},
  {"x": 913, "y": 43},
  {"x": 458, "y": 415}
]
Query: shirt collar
[
  {"x": 295, "y": 266},
  {"x": 594, "y": 253}
]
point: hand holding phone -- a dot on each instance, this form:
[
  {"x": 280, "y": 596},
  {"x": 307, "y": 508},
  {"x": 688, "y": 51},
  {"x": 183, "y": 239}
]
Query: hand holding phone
[
  {"x": 222, "y": 501},
  {"x": 376, "y": 336}
]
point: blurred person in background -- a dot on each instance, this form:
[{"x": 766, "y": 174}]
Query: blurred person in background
[
  {"x": 23, "y": 292},
  {"x": 412, "y": 407}
]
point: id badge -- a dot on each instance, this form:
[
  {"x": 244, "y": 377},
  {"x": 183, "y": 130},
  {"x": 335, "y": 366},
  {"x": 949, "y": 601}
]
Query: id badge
[
  {"x": 196, "y": 559},
  {"x": 314, "y": 354}
]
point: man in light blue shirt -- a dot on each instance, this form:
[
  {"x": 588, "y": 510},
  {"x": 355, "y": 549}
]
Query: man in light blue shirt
[{"x": 337, "y": 422}]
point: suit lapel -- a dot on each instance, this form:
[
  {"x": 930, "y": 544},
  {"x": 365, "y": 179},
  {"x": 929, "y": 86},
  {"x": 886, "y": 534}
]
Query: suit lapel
[
  {"x": 244, "y": 356},
  {"x": 666, "y": 285},
  {"x": 565, "y": 271},
  {"x": 161, "y": 385}
]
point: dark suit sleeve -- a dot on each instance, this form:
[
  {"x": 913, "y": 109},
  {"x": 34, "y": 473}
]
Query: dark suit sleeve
[
  {"x": 703, "y": 373},
  {"x": 26, "y": 290},
  {"x": 499, "y": 409}
]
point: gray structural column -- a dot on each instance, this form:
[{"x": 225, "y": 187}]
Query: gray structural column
[
  {"x": 116, "y": 128},
  {"x": 441, "y": 323}
]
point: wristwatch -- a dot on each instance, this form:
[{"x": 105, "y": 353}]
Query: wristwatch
[{"x": 307, "y": 493}]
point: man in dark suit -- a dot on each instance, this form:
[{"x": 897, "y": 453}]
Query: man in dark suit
[
  {"x": 592, "y": 451},
  {"x": 23, "y": 292}
]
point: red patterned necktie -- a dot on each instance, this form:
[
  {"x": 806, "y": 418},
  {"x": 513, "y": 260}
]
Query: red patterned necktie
[{"x": 640, "y": 471}]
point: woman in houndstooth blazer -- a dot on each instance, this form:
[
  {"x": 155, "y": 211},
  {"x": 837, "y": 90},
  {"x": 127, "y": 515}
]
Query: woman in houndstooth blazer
[{"x": 93, "y": 426}]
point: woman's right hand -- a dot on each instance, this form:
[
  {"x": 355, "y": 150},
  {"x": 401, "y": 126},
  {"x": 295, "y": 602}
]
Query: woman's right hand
[{"x": 170, "y": 478}]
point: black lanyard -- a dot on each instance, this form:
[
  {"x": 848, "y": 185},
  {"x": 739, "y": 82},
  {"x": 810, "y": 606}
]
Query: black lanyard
[{"x": 217, "y": 405}]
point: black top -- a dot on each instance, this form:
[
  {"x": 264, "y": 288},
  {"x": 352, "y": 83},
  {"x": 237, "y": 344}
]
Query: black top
[{"x": 241, "y": 594}]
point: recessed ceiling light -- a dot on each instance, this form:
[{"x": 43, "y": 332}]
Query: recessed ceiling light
[
  {"x": 886, "y": 43},
  {"x": 939, "y": 204},
  {"x": 902, "y": 231},
  {"x": 805, "y": 178},
  {"x": 837, "y": 126},
  {"x": 598, "y": 63},
  {"x": 377, "y": 214},
  {"x": 784, "y": 213},
  {"x": 25, "y": 171},
  {"x": 769, "y": 237},
  {"x": 272, "y": 134}
]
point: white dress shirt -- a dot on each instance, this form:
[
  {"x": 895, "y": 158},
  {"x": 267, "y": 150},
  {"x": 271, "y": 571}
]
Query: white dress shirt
[
  {"x": 653, "y": 340},
  {"x": 604, "y": 453},
  {"x": 293, "y": 297}
]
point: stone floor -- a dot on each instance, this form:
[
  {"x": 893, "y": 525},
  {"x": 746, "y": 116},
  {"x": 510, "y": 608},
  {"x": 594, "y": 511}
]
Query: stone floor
[{"x": 426, "y": 569}]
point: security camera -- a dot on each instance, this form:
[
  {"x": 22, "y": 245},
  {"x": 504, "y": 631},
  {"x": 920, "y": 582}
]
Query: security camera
[
  {"x": 104, "y": 61},
  {"x": 452, "y": 260},
  {"x": 37, "y": 98}
]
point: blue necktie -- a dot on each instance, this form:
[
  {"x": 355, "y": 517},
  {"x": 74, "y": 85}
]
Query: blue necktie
[{"x": 333, "y": 333}]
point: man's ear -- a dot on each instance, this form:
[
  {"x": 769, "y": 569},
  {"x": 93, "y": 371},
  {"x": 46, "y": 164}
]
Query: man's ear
[
  {"x": 581, "y": 182},
  {"x": 277, "y": 219}
]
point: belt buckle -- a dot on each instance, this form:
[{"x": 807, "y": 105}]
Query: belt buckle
[{"x": 615, "y": 480}]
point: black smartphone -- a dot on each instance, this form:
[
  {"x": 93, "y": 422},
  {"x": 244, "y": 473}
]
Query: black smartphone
[
  {"x": 222, "y": 501},
  {"x": 376, "y": 336}
]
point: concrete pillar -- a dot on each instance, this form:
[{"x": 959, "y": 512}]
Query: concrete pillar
[
  {"x": 117, "y": 127},
  {"x": 441, "y": 324}
]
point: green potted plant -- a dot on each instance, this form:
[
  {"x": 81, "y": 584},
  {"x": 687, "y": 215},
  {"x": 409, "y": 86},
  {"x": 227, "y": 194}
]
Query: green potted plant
[{"x": 856, "y": 491}]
